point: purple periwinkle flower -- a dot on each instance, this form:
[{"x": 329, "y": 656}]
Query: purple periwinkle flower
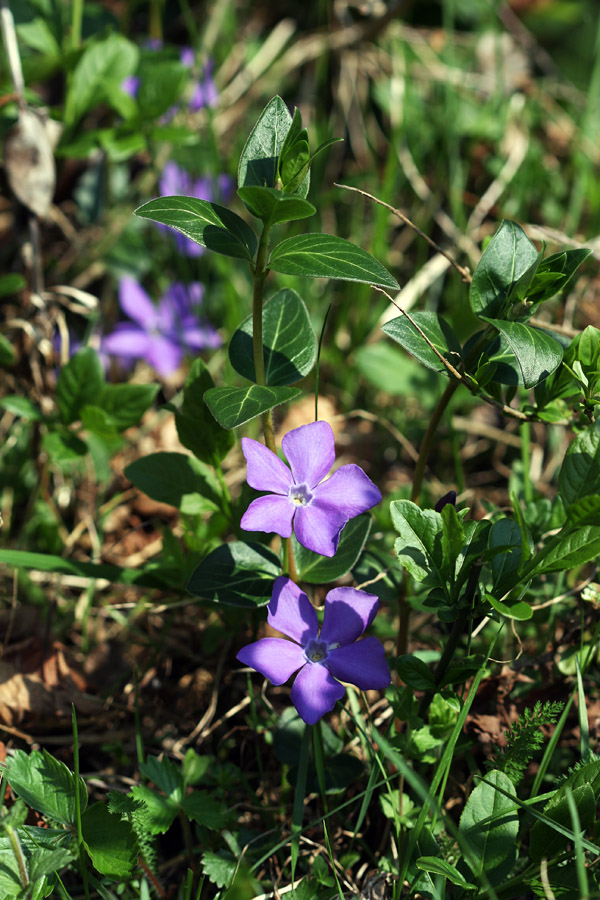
[
  {"x": 160, "y": 333},
  {"x": 322, "y": 657},
  {"x": 130, "y": 85},
  {"x": 317, "y": 510}
]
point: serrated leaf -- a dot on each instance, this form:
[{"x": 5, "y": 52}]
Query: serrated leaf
[
  {"x": 204, "y": 809},
  {"x": 537, "y": 353},
  {"x": 196, "y": 427},
  {"x": 98, "y": 73},
  {"x": 506, "y": 535},
  {"x": 195, "y": 767},
  {"x": 260, "y": 156},
  {"x": 508, "y": 257},
  {"x": 436, "y": 329},
  {"x": 80, "y": 382},
  {"x": 317, "y": 569},
  {"x": 157, "y": 812},
  {"x": 219, "y": 867},
  {"x": 273, "y": 206},
  {"x": 415, "y": 673},
  {"x": 235, "y": 406},
  {"x": 236, "y": 574},
  {"x": 125, "y": 404},
  {"x": 289, "y": 342},
  {"x": 580, "y": 471},
  {"x": 177, "y": 479},
  {"x": 490, "y": 824},
  {"x": 419, "y": 547},
  {"x": 208, "y": 224},
  {"x": 110, "y": 841},
  {"x": 329, "y": 256},
  {"x": 437, "y": 866},
  {"x": 165, "y": 775},
  {"x": 45, "y": 784}
]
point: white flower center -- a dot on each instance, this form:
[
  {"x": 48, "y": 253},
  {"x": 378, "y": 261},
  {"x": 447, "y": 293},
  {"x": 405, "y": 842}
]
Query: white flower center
[
  {"x": 316, "y": 651},
  {"x": 299, "y": 495}
]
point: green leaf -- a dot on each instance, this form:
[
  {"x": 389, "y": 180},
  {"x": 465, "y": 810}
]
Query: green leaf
[
  {"x": 568, "y": 550},
  {"x": 260, "y": 156},
  {"x": 505, "y": 535},
  {"x": 235, "y": 406},
  {"x": 328, "y": 256},
  {"x": 80, "y": 382},
  {"x": 63, "y": 447},
  {"x": 508, "y": 257},
  {"x": 22, "y": 406},
  {"x": 110, "y": 841},
  {"x": 98, "y": 74},
  {"x": 511, "y": 608},
  {"x": 489, "y": 824},
  {"x": 561, "y": 268},
  {"x": 273, "y": 206},
  {"x": 204, "y": 809},
  {"x": 157, "y": 813},
  {"x": 47, "y": 562},
  {"x": 415, "y": 673},
  {"x": 196, "y": 427},
  {"x": 208, "y": 224},
  {"x": 437, "y": 866},
  {"x": 545, "y": 841},
  {"x": 195, "y": 767},
  {"x": 126, "y": 403},
  {"x": 389, "y": 369},
  {"x": 289, "y": 343},
  {"x": 11, "y": 284},
  {"x": 437, "y": 331},
  {"x": 7, "y": 352},
  {"x": 537, "y": 353},
  {"x": 45, "y": 784},
  {"x": 317, "y": 569},
  {"x": 165, "y": 775},
  {"x": 585, "y": 511},
  {"x": 419, "y": 547},
  {"x": 580, "y": 471},
  {"x": 177, "y": 479},
  {"x": 219, "y": 867},
  {"x": 453, "y": 537},
  {"x": 236, "y": 574},
  {"x": 161, "y": 84}
]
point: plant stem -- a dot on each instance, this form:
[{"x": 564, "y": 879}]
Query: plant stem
[
  {"x": 18, "y": 854},
  {"x": 189, "y": 841},
  {"x": 76, "y": 20},
  {"x": 291, "y": 562},
  {"x": 84, "y": 874},
  {"x": 260, "y": 273}
]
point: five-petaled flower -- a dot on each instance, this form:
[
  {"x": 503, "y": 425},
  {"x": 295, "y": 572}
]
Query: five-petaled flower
[
  {"x": 316, "y": 509},
  {"x": 322, "y": 657}
]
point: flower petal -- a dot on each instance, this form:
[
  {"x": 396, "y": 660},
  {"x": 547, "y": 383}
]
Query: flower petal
[
  {"x": 310, "y": 451},
  {"x": 199, "y": 337},
  {"x": 318, "y": 528},
  {"x": 163, "y": 354},
  {"x": 348, "y": 612},
  {"x": 349, "y": 490},
  {"x": 362, "y": 664},
  {"x": 270, "y": 514},
  {"x": 315, "y": 692},
  {"x": 134, "y": 301},
  {"x": 127, "y": 340},
  {"x": 291, "y": 612},
  {"x": 266, "y": 472},
  {"x": 274, "y": 658}
]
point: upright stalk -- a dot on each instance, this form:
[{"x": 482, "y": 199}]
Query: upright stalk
[
  {"x": 82, "y": 858},
  {"x": 260, "y": 273}
]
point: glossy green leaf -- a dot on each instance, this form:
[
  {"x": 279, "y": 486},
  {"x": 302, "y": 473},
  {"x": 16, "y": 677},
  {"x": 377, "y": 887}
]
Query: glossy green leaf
[
  {"x": 197, "y": 429},
  {"x": 438, "y": 332},
  {"x": 419, "y": 547},
  {"x": 538, "y": 354},
  {"x": 98, "y": 74},
  {"x": 273, "y": 206},
  {"x": 568, "y": 550},
  {"x": 236, "y": 574},
  {"x": 110, "y": 841},
  {"x": 328, "y": 256},
  {"x": 555, "y": 273},
  {"x": 505, "y": 535},
  {"x": 317, "y": 569},
  {"x": 415, "y": 673},
  {"x": 208, "y": 224},
  {"x": 545, "y": 841},
  {"x": 580, "y": 471},
  {"x": 177, "y": 479},
  {"x": 489, "y": 824},
  {"x": 81, "y": 381},
  {"x": 234, "y": 406},
  {"x": 509, "y": 257},
  {"x": 436, "y": 866},
  {"x": 290, "y": 345},
  {"x": 511, "y": 608},
  {"x": 45, "y": 784},
  {"x": 585, "y": 511},
  {"x": 259, "y": 159},
  {"x": 125, "y": 404}
]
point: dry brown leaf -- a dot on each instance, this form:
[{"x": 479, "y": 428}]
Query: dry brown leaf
[{"x": 29, "y": 162}]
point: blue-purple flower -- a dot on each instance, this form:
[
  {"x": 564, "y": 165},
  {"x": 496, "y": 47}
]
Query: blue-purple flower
[
  {"x": 320, "y": 657},
  {"x": 299, "y": 499},
  {"x": 160, "y": 333}
]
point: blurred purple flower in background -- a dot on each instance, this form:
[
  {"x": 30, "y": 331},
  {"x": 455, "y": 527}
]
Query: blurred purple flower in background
[
  {"x": 130, "y": 85},
  {"x": 175, "y": 181},
  {"x": 160, "y": 333},
  {"x": 318, "y": 509},
  {"x": 204, "y": 92},
  {"x": 335, "y": 652}
]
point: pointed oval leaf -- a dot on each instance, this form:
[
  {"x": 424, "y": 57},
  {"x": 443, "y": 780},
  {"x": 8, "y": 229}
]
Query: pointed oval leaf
[
  {"x": 317, "y": 569},
  {"x": 580, "y": 472},
  {"x": 234, "y": 406},
  {"x": 196, "y": 427},
  {"x": 289, "y": 343},
  {"x": 274, "y": 206},
  {"x": 110, "y": 841},
  {"x": 511, "y": 608},
  {"x": 208, "y": 224},
  {"x": 80, "y": 381},
  {"x": 329, "y": 256},
  {"x": 258, "y": 162},
  {"x": 508, "y": 256},
  {"x": 505, "y": 536},
  {"x": 537, "y": 353},
  {"x": 237, "y": 574},
  {"x": 436, "y": 329},
  {"x": 489, "y": 823},
  {"x": 177, "y": 479},
  {"x": 437, "y": 866}
]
